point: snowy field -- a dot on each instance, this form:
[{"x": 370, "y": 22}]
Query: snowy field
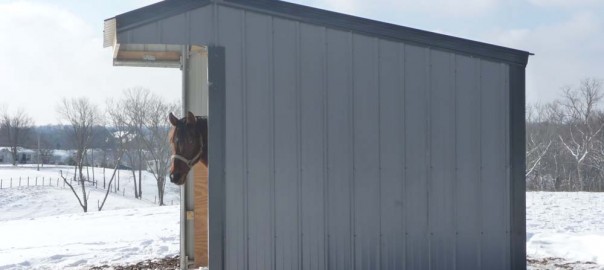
[
  {"x": 43, "y": 227},
  {"x": 52, "y": 173},
  {"x": 566, "y": 225}
]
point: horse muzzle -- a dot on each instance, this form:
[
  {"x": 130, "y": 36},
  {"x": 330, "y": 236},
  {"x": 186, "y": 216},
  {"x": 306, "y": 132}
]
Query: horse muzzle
[{"x": 178, "y": 178}]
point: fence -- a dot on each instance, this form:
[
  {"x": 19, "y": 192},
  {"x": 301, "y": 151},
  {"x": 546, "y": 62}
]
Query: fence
[{"x": 23, "y": 182}]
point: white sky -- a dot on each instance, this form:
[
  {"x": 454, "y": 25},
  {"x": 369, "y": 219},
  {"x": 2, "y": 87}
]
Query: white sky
[{"x": 53, "y": 49}]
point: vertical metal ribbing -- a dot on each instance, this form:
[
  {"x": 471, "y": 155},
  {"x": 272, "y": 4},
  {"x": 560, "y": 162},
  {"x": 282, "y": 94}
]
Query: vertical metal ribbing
[
  {"x": 377, "y": 75},
  {"x": 403, "y": 61},
  {"x": 300, "y": 234},
  {"x": 215, "y": 22},
  {"x": 506, "y": 126},
  {"x": 456, "y": 175},
  {"x": 353, "y": 178},
  {"x": 479, "y": 193},
  {"x": 428, "y": 156},
  {"x": 273, "y": 225},
  {"x": 188, "y": 26},
  {"x": 326, "y": 235},
  {"x": 246, "y": 232}
]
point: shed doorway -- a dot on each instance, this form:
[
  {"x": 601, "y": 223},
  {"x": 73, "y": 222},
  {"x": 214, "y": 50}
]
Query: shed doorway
[{"x": 193, "y": 62}]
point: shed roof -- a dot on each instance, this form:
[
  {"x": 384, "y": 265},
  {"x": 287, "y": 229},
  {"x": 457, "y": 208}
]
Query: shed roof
[{"x": 167, "y": 8}]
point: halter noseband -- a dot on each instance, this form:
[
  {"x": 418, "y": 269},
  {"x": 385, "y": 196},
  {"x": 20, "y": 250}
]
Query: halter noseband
[
  {"x": 189, "y": 162},
  {"x": 195, "y": 159}
]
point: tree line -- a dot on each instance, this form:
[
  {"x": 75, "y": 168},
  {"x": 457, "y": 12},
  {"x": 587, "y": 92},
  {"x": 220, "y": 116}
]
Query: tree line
[
  {"x": 133, "y": 130},
  {"x": 565, "y": 140}
]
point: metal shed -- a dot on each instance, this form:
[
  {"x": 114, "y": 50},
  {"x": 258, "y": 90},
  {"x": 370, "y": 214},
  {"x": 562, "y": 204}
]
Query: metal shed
[{"x": 338, "y": 142}]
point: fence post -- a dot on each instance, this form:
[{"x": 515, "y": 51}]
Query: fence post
[
  {"x": 28, "y": 181},
  {"x": 11, "y": 182},
  {"x": 155, "y": 199},
  {"x": 19, "y": 181},
  {"x": 0, "y": 183},
  {"x": 36, "y": 181}
]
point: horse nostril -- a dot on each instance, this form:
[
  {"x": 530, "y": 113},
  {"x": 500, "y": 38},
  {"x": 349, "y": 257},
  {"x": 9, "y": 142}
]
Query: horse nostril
[{"x": 173, "y": 177}]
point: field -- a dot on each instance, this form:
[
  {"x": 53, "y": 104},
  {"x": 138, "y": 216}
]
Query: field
[{"x": 43, "y": 227}]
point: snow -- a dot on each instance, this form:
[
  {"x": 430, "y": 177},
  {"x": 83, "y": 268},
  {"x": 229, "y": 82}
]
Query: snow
[
  {"x": 567, "y": 225},
  {"x": 23, "y": 172},
  {"x": 43, "y": 227},
  {"x": 80, "y": 240}
]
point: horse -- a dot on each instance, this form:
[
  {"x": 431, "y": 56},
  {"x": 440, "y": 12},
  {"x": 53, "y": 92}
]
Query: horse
[{"x": 189, "y": 143}]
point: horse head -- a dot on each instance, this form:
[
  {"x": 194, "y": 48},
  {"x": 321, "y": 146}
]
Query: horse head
[{"x": 189, "y": 141}]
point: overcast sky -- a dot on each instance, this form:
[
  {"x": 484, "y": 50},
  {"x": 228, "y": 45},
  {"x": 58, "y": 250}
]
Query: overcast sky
[{"x": 53, "y": 49}]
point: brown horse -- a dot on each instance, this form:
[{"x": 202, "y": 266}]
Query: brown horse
[{"x": 189, "y": 141}]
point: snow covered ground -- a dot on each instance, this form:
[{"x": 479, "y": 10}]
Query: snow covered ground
[
  {"x": 567, "y": 225},
  {"x": 78, "y": 241},
  {"x": 43, "y": 227}
]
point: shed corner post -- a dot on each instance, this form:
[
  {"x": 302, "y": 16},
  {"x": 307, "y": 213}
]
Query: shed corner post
[
  {"x": 517, "y": 166},
  {"x": 216, "y": 155}
]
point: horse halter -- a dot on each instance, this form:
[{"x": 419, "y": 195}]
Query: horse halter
[
  {"x": 189, "y": 162},
  {"x": 195, "y": 159}
]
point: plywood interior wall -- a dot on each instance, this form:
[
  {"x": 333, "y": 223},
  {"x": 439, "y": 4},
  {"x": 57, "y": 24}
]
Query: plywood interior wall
[{"x": 201, "y": 214}]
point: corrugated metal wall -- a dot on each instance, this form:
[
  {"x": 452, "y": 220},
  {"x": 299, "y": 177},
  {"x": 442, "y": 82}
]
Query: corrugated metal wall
[{"x": 344, "y": 151}]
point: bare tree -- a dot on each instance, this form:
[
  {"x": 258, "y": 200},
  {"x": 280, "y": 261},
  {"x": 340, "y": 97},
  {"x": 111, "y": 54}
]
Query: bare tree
[
  {"x": 15, "y": 127},
  {"x": 143, "y": 116},
  {"x": 82, "y": 115},
  {"x": 584, "y": 128},
  {"x": 538, "y": 143},
  {"x": 135, "y": 106},
  {"x": 156, "y": 141},
  {"x": 121, "y": 137},
  {"x": 126, "y": 134}
]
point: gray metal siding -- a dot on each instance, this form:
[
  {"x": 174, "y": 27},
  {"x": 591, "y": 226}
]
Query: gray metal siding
[
  {"x": 416, "y": 157},
  {"x": 340, "y": 150},
  {"x": 345, "y": 151},
  {"x": 287, "y": 221},
  {"x": 312, "y": 145},
  {"x": 467, "y": 160},
  {"x": 258, "y": 118},
  {"x": 365, "y": 135},
  {"x": 441, "y": 191},
  {"x": 232, "y": 32},
  {"x": 493, "y": 168},
  {"x": 392, "y": 154}
]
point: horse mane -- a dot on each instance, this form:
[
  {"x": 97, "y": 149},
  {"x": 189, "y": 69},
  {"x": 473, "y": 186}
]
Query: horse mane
[{"x": 202, "y": 125}]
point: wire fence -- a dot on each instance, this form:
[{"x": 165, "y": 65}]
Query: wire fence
[{"x": 30, "y": 182}]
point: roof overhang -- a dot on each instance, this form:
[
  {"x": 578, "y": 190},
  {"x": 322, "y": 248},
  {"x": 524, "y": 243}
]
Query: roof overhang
[
  {"x": 164, "y": 9},
  {"x": 140, "y": 55}
]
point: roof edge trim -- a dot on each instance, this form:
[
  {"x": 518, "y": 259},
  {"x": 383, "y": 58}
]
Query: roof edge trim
[
  {"x": 315, "y": 16},
  {"x": 155, "y": 12},
  {"x": 380, "y": 29}
]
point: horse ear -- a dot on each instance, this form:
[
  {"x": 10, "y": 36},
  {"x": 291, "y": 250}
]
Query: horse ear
[
  {"x": 190, "y": 118},
  {"x": 173, "y": 119}
]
